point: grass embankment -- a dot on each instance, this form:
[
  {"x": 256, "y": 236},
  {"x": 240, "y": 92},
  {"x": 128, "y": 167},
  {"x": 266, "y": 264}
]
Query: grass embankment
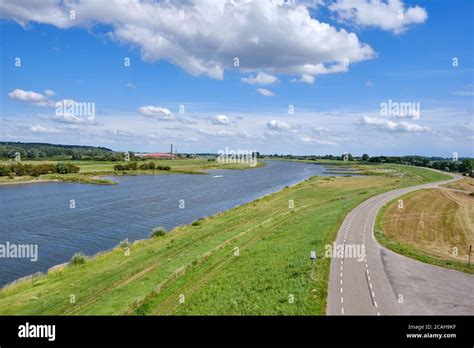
[
  {"x": 90, "y": 171},
  {"x": 434, "y": 226},
  {"x": 253, "y": 259}
]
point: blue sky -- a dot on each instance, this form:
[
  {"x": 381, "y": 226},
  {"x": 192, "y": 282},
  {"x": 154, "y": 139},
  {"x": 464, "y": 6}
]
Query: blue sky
[{"x": 187, "y": 60}]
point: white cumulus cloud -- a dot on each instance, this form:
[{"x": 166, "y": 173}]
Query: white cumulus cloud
[
  {"x": 389, "y": 125},
  {"x": 30, "y": 97},
  {"x": 265, "y": 92},
  {"x": 221, "y": 119},
  {"x": 389, "y": 15},
  {"x": 260, "y": 79},
  {"x": 279, "y": 126},
  {"x": 305, "y": 78},
  {"x": 41, "y": 129},
  {"x": 156, "y": 112},
  {"x": 205, "y": 36}
]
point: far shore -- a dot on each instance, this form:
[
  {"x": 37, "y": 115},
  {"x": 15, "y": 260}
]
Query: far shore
[{"x": 99, "y": 177}]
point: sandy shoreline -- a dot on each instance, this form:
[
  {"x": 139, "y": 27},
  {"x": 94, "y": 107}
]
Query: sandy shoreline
[{"x": 33, "y": 181}]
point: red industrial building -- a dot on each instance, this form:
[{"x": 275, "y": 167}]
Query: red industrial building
[
  {"x": 169, "y": 155},
  {"x": 155, "y": 155}
]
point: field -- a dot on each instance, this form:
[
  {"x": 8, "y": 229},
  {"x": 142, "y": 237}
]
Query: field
[
  {"x": 434, "y": 226},
  {"x": 250, "y": 260},
  {"x": 466, "y": 184},
  {"x": 90, "y": 171}
]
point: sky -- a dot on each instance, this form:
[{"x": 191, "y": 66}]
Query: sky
[{"x": 386, "y": 77}]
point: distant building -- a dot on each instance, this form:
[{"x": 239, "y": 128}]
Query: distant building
[
  {"x": 155, "y": 155},
  {"x": 168, "y": 155}
]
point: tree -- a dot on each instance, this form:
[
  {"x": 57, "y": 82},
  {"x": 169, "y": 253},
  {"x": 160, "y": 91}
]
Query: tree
[
  {"x": 347, "y": 157},
  {"x": 466, "y": 166},
  {"x": 365, "y": 157}
]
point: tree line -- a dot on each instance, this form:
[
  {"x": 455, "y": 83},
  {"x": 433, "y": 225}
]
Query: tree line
[
  {"x": 20, "y": 169},
  {"x": 144, "y": 166},
  {"x": 465, "y": 166},
  {"x": 34, "y": 151}
]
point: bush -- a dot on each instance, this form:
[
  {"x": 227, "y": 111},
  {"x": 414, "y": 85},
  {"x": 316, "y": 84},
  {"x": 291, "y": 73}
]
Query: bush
[
  {"x": 128, "y": 166},
  {"x": 72, "y": 168},
  {"x": 124, "y": 243},
  {"x": 65, "y": 168},
  {"x": 158, "y": 232},
  {"x": 197, "y": 222},
  {"x": 20, "y": 169},
  {"x": 147, "y": 166},
  {"x": 61, "y": 168},
  {"x": 4, "y": 171},
  {"x": 77, "y": 259}
]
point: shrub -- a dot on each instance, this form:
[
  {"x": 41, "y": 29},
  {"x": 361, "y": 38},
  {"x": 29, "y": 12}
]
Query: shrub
[
  {"x": 4, "y": 170},
  {"x": 61, "y": 168},
  {"x": 124, "y": 243},
  {"x": 157, "y": 232},
  {"x": 72, "y": 168},
  {"x": 77, "y": 259},
  {"x": 65, "y": 168},
  {"x": 197, "y": 222},
  {"x": 147, "y": 166}
]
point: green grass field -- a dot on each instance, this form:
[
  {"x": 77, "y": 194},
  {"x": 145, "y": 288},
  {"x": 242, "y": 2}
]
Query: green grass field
[{"x": 250, "y": 260}]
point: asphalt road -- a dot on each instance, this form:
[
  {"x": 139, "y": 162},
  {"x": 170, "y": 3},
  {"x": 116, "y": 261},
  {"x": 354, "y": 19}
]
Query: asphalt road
[{"x": 381, "y": 282}]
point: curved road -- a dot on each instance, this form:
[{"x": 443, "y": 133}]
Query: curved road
[{"x": 382, "y": 282}]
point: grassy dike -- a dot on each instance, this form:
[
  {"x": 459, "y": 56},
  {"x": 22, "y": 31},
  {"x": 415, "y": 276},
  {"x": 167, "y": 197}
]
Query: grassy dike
[{"x": 252, "y": 259}]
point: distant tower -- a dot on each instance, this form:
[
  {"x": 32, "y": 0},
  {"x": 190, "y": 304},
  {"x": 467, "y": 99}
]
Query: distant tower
[{"x": 171, "y": 152}]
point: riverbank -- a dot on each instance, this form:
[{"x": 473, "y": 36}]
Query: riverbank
[
  {"x": 252, "y": 259},
  {"x": 92, "y": 172}
]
